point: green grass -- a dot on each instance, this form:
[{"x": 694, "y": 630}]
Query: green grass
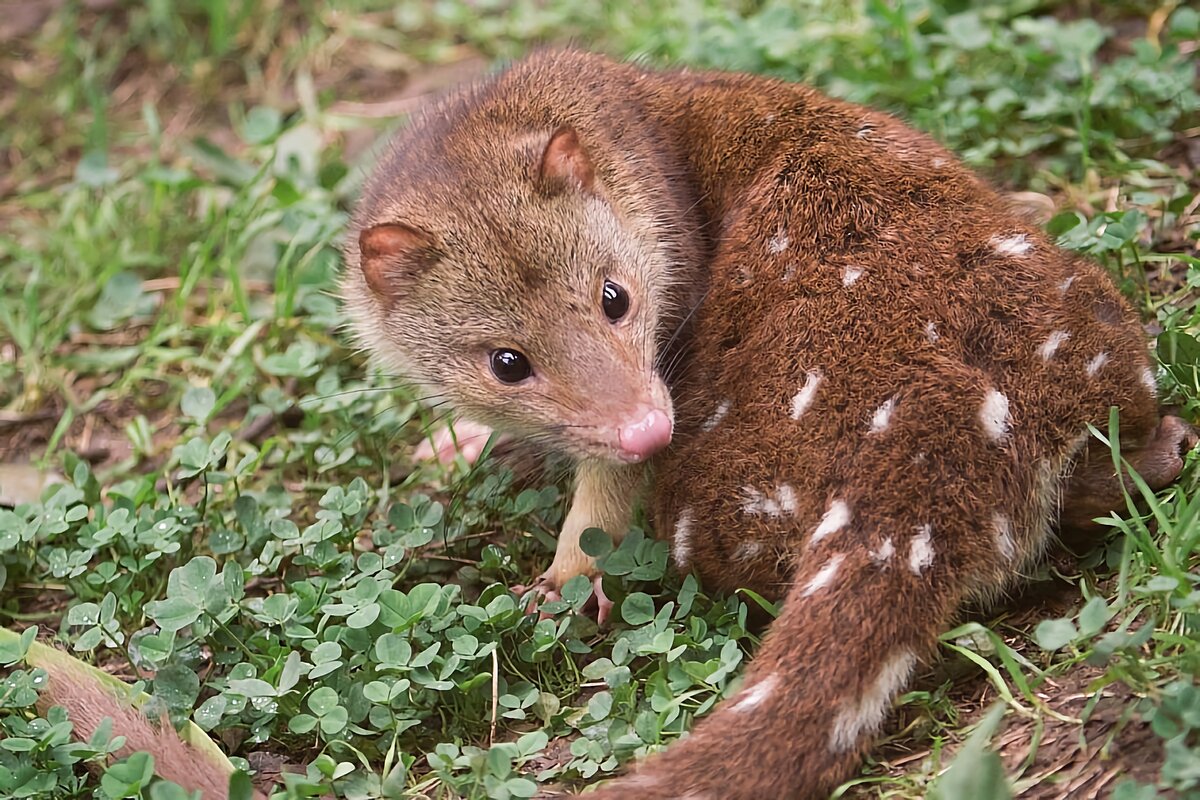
[{"x": 240, "y": 529}]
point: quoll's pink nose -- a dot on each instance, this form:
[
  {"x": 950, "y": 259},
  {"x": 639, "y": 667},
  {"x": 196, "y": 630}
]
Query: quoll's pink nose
[{"x": 645, "y": 437}]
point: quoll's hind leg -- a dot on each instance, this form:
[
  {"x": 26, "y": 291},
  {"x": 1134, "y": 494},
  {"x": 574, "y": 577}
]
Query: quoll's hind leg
[
  {"x": 1093, "y": 489},
  {"x": 1160, "y": 460}
]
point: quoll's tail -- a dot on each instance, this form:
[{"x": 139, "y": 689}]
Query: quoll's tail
[
  {"x": 91, "y": 697},
  {"x": 854, "y": 628}
]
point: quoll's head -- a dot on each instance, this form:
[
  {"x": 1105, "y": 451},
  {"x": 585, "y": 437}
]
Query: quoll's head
[{"x": 490, "y": 265}]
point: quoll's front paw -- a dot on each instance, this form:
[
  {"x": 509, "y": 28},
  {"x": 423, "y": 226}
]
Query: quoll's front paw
[
  {"x": 547, "y": 589},
  {"x": 462, "y": 437}
]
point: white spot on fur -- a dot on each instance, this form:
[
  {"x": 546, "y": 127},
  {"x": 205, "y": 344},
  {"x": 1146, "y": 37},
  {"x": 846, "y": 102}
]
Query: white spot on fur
[
  {"x": 1017, "y": 245},
  {"x": 824, "y": 576},
  {"x": 938, "y": 163},
  {"x": 1149, "y": 380},
  {"x": 781, "y": 501},
  {"x": 1002, "y": 531},
  {"x": 884, "y": 553},
  {"x": 1053, "y": 342},
  {"x": 755, "y": 502},
  {"x": 865, "y": 713},
  {"x": 851, "y": 275},
  {"x": 808, "y": 392},
  {"x": 717, "y": 415},
  {"x": 778, "y": 243},
  {"x": 993, "y": 414},
  {"x": 931, "y": 332},
  {"x": 834, "y": 519},
  {"x": 748, "y": 551},
  {"x": 1065, "y": 286},
  {"x": 883, "y": 416},
  {"x": 920, "y": 552},
  {"x": 786, "y": 496},
  {"x": 682, "y": 543},
  {"x": 864, "y": 131},
  {"x": 754, "y": 696},
  {"x": 1096, "y": 363}
]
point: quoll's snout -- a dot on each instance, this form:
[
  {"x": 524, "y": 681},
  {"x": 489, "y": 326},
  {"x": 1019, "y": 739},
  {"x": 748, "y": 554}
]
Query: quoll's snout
[{"x": 649, "y": 432}]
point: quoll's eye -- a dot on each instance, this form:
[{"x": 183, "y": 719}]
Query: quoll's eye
[
  {"x": 510, "y": 366},
  {"x": 615, "y": 301}
]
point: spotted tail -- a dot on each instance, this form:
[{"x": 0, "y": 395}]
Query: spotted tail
[{"x": 850, "y": 637}]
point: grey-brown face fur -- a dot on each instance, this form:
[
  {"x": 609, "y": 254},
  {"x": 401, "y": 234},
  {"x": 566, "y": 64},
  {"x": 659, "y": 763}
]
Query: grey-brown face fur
[{"x": 514, "y": 260}]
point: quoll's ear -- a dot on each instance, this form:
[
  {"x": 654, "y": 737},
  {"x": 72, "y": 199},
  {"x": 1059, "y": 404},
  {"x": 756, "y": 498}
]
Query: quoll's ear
[
  {"x": 388, "y": 253},
  {"x": 565, "y": 162}
]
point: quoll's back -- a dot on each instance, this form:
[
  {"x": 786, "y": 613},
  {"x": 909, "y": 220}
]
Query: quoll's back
[{"x": 883, "y": 341}]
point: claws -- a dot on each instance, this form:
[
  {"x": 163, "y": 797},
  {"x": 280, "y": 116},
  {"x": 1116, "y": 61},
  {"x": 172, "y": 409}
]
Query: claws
[
  {"x": 604, "y": 606},
  {"x": 540, "y": 591},
  {"x": 545, "y": 590}
]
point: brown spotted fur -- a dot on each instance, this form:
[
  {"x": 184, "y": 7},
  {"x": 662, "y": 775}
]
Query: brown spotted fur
[{"x": 720, "y": 169}]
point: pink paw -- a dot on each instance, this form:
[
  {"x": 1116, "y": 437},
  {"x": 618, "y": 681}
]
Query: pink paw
[
  {"x": 460, "y": 438},
  {"x": 544, "y": 590}
]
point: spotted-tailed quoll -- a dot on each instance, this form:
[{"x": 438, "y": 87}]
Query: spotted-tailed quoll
[{"x": 860, "y": 383}]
